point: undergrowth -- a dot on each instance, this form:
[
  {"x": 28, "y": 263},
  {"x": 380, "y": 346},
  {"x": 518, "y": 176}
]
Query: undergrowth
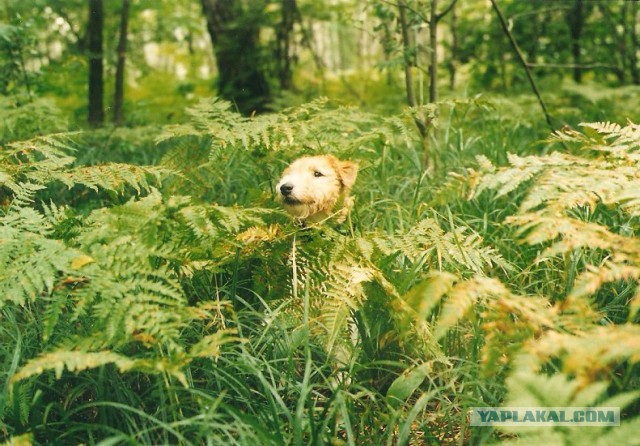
[{"x": 168, "y": 300}]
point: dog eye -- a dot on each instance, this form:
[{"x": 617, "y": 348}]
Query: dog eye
[{"x": 317, "y": 174}]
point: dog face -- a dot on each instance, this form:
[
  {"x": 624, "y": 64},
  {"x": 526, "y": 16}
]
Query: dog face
[{"x": 311, "y": 186}]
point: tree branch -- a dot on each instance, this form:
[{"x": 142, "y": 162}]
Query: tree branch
[
  {"x": 516, "y": 49},
  {"x": 572, "y": 65},
  {"x": 446, "y": 11},
  {"x": 424, "y": 18}
]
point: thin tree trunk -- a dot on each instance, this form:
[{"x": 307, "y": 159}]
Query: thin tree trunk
[
  {"x": 408, "y": 78},
  {"x": 532, "y": 49},
  {"x": 96, "y": 85},
  {"x": 387, "y": 47},
  {"x": 575, "y": 18},
  {"x": 433, "y": 59},
  {"x": 118, "y": 100},
  {"x": 453, "y": 58},
  {"x": 503, "y": 66},
  {"x": 633, "y": 44},
  {"x": 406, "y": 47}
]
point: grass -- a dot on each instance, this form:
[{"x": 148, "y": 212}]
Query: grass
[{"x": 292, "y": 379}]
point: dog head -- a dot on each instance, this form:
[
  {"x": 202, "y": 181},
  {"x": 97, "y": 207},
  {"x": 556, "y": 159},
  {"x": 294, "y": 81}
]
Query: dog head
[{"x": 312, "y": 186}]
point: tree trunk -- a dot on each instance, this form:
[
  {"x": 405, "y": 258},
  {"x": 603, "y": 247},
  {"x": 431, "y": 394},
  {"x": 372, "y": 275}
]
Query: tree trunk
[
  {"x": 575, "y": 18},
  {"x": 283, "y": 44},
  {"x": 388, "y": 49},
  {"x": 118, "y": 99},
  {"x": 96, "y": 86},
  {"x": 433, "y": 43},
  {"x": 408, "y": 78},
  {"x": 234, "y": 34},
  {"x": 633, "y": 44},
  {"x": 406, "y": 49},
  {"x": 453, "y": 57}
]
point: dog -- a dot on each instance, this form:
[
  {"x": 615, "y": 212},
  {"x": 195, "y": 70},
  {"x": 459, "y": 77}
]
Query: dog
[{"x": 312, "y": 187}]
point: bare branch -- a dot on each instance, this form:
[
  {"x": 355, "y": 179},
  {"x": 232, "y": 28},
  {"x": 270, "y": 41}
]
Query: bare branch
[
  {"x": 446, "y": 11},
  {"x": 571, "y": 65},
  {"x": 424, "y": 18},
  {"x": 516, "y": 49}
]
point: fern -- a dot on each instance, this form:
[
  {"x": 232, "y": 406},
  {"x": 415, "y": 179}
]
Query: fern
[
  {"x": 507, "y": 319},
  {"x": 116, "y": 278},
  {"x": 564, "y": 186},
  {"x": 113, "y": 177},
  {"x": 341, "y": 294},
  {"x": 139, "y": 251},
  {"x": 587, "y": 355},
  {"x": 460, "y": 249},
  {"x": 311, "y": 126},
  {"x": 527, "y": 389},
  {"x": 584, "y": 360},
  {"x": 46, "y": 159},
  {"x": 30, "y": 262},
  {"x": 77, "y": 361},
  {"x": 581, "y": 205}
]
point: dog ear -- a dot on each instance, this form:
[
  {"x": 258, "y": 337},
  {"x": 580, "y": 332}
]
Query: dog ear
[{"x": 348, "y": 172}]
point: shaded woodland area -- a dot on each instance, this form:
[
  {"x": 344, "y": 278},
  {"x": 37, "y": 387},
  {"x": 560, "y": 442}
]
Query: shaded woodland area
[
  {"x": 154, "y": 291},
  {"x": 257, "y": 53}
]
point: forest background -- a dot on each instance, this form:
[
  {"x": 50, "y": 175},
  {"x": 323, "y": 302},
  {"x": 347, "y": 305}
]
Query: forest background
[{"x": 153, "y": 292}]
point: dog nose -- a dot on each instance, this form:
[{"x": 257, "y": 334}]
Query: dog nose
[{"x": 286, "y": 189}]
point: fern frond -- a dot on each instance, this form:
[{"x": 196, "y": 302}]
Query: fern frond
[
  {"x": 456, "y": 187},
  {"x": 30, "y": 264},
  {"x": 113, "y": 176},
  {"x": 210, "y": 346},
  {"x": 23, "y": 194},
  {"x": 511, "y": 320},
  {"x": 589, "y": 354},
  {"x": 527, "y": 388},
  {"x": 310, "y": 127},
  {"x": 564, "y": 187},
  {"x": 34, "y": 160},
  {"x": 461, "y": 248},
  {"x": 594, "y": 277},
  {"x": 618, "y": 137},
  {"x": 342, "y": 293},
  {"x": 462, "y": 298},
  {"x": 73, "y": 361},
  {"x": 424, "y": 297},
  {"x": 77, "y": 361},
  {"x": 28, "y": 165}
]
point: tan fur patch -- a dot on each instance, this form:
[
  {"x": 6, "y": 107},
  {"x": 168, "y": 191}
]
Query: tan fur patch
[{"x": 312, "y": 186}]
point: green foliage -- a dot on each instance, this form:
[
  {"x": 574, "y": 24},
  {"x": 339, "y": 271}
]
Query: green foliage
[
  {"x": 564, "y": 207},
  {"x": 39, "y": 117},
  {"x": 143, "y": 304},
  {"x": 151, "y": 291},
  {"x": 310, "y": 127},
  {"x": 16, "y": 42},
  {"x": 579, "y": 207},
  {"x": 563, "y": 392},
  {"x": 104, "y": 287}
]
